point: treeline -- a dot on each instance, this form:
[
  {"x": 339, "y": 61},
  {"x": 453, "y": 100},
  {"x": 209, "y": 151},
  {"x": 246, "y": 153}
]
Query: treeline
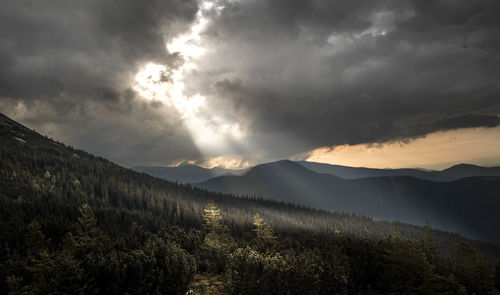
[{"x": 141, "y": 235}]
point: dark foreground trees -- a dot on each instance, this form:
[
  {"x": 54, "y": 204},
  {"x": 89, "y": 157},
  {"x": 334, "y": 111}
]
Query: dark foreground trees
[
  {"x": 89, "y": 262},
  {"x": 212, "y": 261}
]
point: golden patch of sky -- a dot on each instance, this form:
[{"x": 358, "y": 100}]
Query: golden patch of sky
[{"x": 438, "y": 150}]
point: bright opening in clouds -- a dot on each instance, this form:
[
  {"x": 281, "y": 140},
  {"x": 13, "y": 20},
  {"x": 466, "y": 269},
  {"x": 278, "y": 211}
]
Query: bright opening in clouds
[{"x": 210, "y": 131}]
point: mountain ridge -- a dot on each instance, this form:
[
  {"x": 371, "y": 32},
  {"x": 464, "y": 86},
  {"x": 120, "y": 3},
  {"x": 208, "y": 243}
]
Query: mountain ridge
[
  {"x": 188, "y": 173},
  {"x": 449, "y": 174}
]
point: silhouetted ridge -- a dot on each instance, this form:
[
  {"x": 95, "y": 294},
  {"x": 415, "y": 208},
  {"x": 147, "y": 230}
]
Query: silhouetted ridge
[
  {"x": 453, "y": 173},
  {"x": 185, "y": 173},
  {"x": 275, "y": 168}
]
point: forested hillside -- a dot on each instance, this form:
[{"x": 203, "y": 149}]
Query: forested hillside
[{"x": 73, "y": 223}]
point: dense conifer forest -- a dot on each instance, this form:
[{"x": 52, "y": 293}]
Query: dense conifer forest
[{"x": 72, "y": 223}]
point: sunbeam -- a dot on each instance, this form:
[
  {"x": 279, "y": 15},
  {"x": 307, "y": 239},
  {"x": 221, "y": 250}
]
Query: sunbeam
[{"x": 212, "y": 133}]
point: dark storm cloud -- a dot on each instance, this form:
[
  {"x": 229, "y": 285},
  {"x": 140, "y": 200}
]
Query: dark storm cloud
[
  {"x": 350, "y": 72},
  {"x": 67, "y": 67},
  {"x": 295, "y": 74},
  {"x": 84, "y": 47}
]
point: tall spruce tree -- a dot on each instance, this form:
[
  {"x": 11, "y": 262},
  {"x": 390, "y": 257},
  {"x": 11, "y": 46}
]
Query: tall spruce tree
[
  {"x": 263, "y": 230},
  {"x": 212, "y": 218},
  {"x": 218, "y": 241}
]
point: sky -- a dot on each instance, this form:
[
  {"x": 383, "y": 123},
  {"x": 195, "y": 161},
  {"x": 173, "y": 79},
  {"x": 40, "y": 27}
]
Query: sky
[{"x": 234, "y": 83}]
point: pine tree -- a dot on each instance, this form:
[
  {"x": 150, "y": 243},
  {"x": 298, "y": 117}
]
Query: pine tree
[
  {"x": 212, "y": 218},
  {"x": 263, "y": 230},
  {"x": 218, "y": 241},
  {"x": 89, "y": 232},
  {"x": 34, "y": 238},
  {"x": 430, "y": 245}
]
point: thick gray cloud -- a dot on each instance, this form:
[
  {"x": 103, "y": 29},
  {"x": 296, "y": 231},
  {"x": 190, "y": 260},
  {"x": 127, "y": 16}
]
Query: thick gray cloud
[
  {"x": 349, "y": 72},
  {"x": 295, "y": 74},
  {"x": 67, "y": 67}
]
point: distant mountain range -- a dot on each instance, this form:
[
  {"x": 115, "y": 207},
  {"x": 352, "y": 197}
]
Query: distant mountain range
[
  {"x": 453, "y": 173},
  {"x": 469, "y": 205},
  {"x": 186, "y": 173},
  {"x": 193, "y": 174}
]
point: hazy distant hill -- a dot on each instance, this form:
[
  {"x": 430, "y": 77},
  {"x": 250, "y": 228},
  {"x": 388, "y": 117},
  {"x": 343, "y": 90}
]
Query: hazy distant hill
[
  {"x": 453, "y": 173},
  {"x": 469, "y": 206},
  {"x": 184, "y": 173},
  {"x": 188, "y": 173}
]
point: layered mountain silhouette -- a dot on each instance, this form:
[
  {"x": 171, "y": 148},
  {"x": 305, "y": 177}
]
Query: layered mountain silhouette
[
  {"x": 188, "y": 173},
  {"x": 467, "y": 205},
  {"x": 453, "y": 173},
  {"x": 185, "y": 173}
]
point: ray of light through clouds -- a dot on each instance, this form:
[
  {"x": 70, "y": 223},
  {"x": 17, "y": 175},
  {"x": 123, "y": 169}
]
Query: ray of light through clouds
[{"x": 213, "y": 133}]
